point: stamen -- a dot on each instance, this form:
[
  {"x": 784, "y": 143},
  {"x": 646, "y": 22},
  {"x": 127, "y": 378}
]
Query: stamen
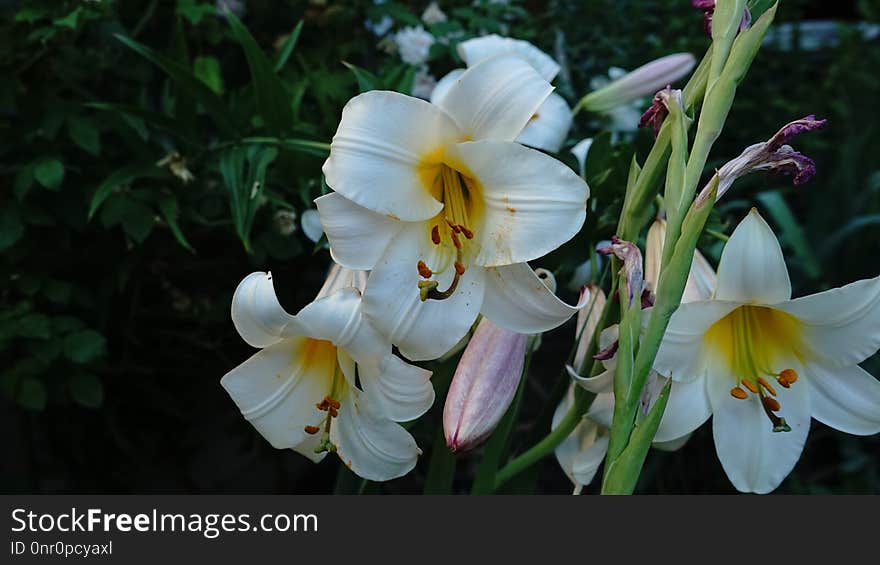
[
  {"x": 455, "y": 240},
  {"x": 435, "y": 234},
  {"x": 333, "y": 412},
  {"x": 467, "y": 233},
  {"x": 426, "y": 288},
  {"x": 750, "y": 385},
  {"x": 770, "y": 403},
  {"x": 459, "y": 268},
  {"x": 455, "y": 228},
  {"x": 332, "y": 402},
  {"x": 424, "y": 271},
  {"x": 787, "y": 377},
  {"x": 312, "y": 430},
  {"x": 739, "y": 393},
  {"x": 763, "y": 382}
]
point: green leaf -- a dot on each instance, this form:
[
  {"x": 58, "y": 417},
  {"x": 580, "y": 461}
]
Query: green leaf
[
  {"x": 273, "y": 102},
  {"x": 86, "y": 390},
  {"x": 137, "y": 220},
  {"x": 155, "y": 119},
  {"x": 11, "y": 226},
  {"x": 187, "y": 81},
  {"x": 287, "y": 48},
  {"x": 366, "y": 80},
  {"x": 84, "y": 346},
  {"x": 49, "y": 173},
  {"x": 170, "y": 211},
  {"x": 243, "y": 169},
  {"x": 83, "y": 132},
  {"x": 32, "y": 394},
  {"x": 121, "y": 177},
  {"x": 35, "y": 326},
  {"x": 208, "y": 70},
  {"x": 71, "y": 20},
  {"x": 194, "y": 11}
]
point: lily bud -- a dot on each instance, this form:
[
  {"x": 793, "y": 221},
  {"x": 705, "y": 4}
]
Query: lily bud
[
  {"x": 643, "y": 81},
  {"x": 701, "y": 278},
  {"x": 659, "y": 109},
  {"x": 772, "y": 155},
  {"x": 587, "y": 323},
  {"x": 483, "y": 386}
]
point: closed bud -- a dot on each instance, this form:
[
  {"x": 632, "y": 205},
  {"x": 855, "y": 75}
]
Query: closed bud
[
  {"x": 701, "y": 278},
  {"x": 483, "y": 386},
  {"x": 643, "y": 81}
]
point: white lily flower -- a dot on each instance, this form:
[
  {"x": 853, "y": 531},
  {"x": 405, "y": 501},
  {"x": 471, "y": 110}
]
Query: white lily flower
[
  {"x": 446, "y": 209},
  {"x": 325, "y": 380},
  {"x": 414, "y": 44},
  {"x": 732, "y": 348},
  {"x": 311, "y": 225},
  {"x": 549, "y": 125}
]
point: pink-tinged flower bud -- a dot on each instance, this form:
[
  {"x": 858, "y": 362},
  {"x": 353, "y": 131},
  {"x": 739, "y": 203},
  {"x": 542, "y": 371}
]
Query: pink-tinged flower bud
[
  {"x": 772, "y": 156},
  {"x": 483, "y": 386},
  {"x": 708, "y": 7},
  {"x": 643, "y": 81},
  {"x": 659, "y": 109}
]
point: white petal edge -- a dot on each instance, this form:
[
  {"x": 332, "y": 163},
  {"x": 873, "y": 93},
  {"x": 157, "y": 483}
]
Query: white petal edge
[
  {"x": 496, "y": 98},
  {"x": 441, "y": 89},
  {"x": 312, "y": 225},
  {"x": 256, "y": 313},
  {"x": 518, "y": 300},
  {"x": 479, "y": 49},
  {"x": 549, "y": 126},
  {"x": 533, "y": 203},
  {"x": 404, "y": 391},
  {"x": 841, "y": 326},
  {"x": 752, "y": 266},
  {"x": 357, "y": 236},
  {"x": 846, "y": 399},
  {"x": 372, "y": 446},
  {"x": 687, "y": 409},
  {"x": 384, "y": 152}
]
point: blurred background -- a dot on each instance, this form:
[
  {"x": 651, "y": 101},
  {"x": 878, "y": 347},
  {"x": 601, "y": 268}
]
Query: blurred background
[{"x": 154, "y": 152}]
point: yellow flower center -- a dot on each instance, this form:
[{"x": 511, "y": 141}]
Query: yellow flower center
[
  {"x": 755, "y": 342},
  {"x": 321, "y": 357},
  {"x": 451, "y": 231}
]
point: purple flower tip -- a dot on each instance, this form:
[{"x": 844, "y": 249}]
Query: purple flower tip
[{"x": 797, "y": 127}]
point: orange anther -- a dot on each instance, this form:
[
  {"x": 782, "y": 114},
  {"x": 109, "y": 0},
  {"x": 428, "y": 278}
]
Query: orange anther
[
  {"x": 332, "y": 402},
  {"x": 763, "y": 382},
  {"x": 459, "y": 268},
  {"x": 333, "y": 412},
  {"x": 467, "y": 233},
  {"x": 751, "y": 386},
  {"x": 323, "y": 405},
  {"x": 770, "y": 403},
  {"x": 435, "y": 234},
  {"x": 311, "y": 429},
  {"x": 739, "y": 393},
  {"x": 455, "y": 228},
  {"x": 788, "y": 377},
  {"x": 424, "y": 271},
  {"x": 455, "y": 240}
]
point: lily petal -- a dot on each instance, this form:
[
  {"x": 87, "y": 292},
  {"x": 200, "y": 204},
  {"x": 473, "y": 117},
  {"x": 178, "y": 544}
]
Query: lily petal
[
  {"x": 583, "y": 448},
  {"x": 384, "y": 151},
  {"x": 404, "y": 391},
  {"x": 752, "y": 267},
  {"x": 847, "y": 399},
  {"x": 372, "y": 446},
  {"x": 496, "y": 98},
  {"x": 256, "y": 312},
  {"x": 338, "y": 318},
  {"x": 518, "y": 300},
  {"x": 441, "y": 89},
  {"x": 534, "y": 203},
  {"x": 277, "y": 388},
  {"x": 687, "y": 409},
  {"x": 357, "y": 236},
  {"x": 422, "y": 330},
  {"x": 479, "y": 49},
  {"x": 841, "y": 325},
  {"x": 681, "y": 355},
  {"x": 755, "y": 458},
  {"x": 602, "y": 382},
  {"x": 549, "y": 126}
]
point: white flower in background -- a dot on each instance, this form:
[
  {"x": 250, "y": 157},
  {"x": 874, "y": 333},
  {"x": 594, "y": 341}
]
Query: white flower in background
[
  {"x": 380, "y": 28},
  {"x": 311, "y": 225},
  {"x": 580, "y": 151},
  {"x": 549, "y": 125},
  {"x": 325, "y": 380},
  {"x": 423, "y": 83},
  {"x": 414, "y": 44},
  {"x": 440, "y": 203},
  {"x": 433, "y": 14},
  {"x": 285, "y": 221},
  {"x": 761, "y": 363},
  {"x": 176, "y": 163}
]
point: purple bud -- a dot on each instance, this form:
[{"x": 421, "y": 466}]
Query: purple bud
[
  {"x": 659, "y": 109},
  {"x": 792, "y": 129},
  {"x": 483, "y": 386},
  {"x": 631, "y": 270}
]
